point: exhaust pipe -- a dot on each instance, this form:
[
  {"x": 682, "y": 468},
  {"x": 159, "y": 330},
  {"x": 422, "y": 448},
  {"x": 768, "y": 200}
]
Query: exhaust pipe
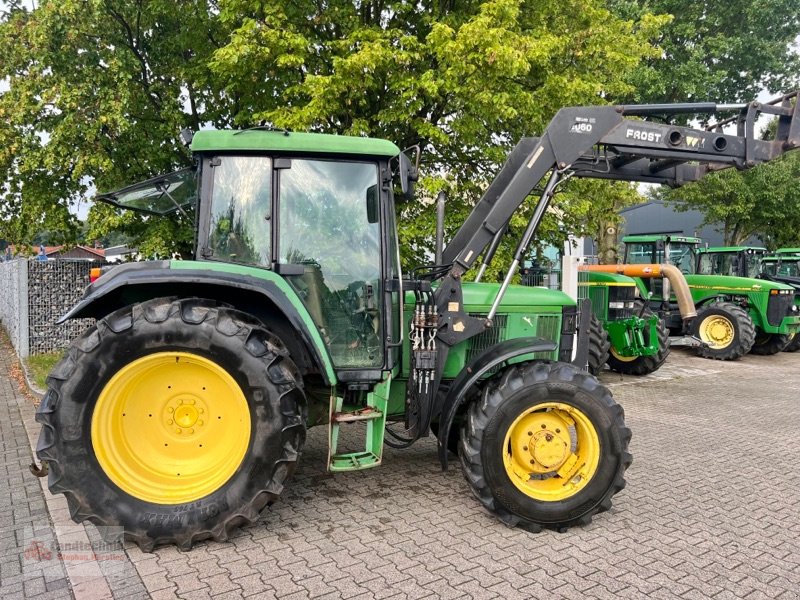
[
  {"x": 670, "y": 272},
  {"x": 439, "y": 247}
]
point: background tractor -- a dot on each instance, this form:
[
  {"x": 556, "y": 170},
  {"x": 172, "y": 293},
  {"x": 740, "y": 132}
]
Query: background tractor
[
  {"x": 736, "y": 315},
  {"x": 638, "y": 339},
  {"x": 784, "y": 267},
  {"x": 183, "y": 411}
]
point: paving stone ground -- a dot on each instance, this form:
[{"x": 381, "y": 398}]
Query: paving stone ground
[{"x": 712, "y": 510}]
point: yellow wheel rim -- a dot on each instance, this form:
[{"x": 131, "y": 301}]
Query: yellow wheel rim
[
  {"x": 717, "y": 331},
  {"x": 551, "y": 451},
  {"x": 622, "y": 358},
  {"x": 171, "y": 427}
]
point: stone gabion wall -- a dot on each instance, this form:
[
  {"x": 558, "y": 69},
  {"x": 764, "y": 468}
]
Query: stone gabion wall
[
  {"x": 13, "y": 313},
  {"x": 54, "y": 287}
]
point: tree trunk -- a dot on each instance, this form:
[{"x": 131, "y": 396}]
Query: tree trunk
[{"x": 607, "y": 242}]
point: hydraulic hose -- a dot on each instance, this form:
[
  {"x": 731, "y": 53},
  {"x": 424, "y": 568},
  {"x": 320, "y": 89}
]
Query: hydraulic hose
[{"x": 672, "y": 273}]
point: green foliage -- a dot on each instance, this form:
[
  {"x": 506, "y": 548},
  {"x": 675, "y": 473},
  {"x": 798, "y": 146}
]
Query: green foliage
[
  {"x": 717, "y": 50},
  {"x": 100, "y": 88},
  {"x": 763, "y": 202},
  {"x": 463, "y": 81},
  {"x": 40, "y": 365},
  {"x": 98, "y": 92}
]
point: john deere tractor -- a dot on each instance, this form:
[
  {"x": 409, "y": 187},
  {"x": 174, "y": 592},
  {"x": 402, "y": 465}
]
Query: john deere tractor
[
  {"x": 736, "y": 315},
  {"x": 183, "y": 411},
  {"x": 638, "y": 339},
  {"x": 784, "y": 267}
]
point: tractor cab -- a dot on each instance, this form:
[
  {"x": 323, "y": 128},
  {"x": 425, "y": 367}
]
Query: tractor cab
[
  {"x": 680, "y": 251},
  {"x": 735, "y": 261},
  {"x": 314, "y": 209},
  {"x": 780, "y": 265}
]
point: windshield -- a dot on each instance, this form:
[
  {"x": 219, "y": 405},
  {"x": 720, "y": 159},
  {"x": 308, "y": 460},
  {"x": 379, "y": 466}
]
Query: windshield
[
  {"x": 782, "y": 268},
  {"x": 681, "y": 255},
  {"x": 753, "y": 262},
  {"x": 719, "y": 263},
  {"x": 160, "y": 196},
  {"x": 639, "y": 253},
  {"x": 737, "y": 264}
]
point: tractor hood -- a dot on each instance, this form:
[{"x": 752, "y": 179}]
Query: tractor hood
[
  {"x": 727, "y": 283},
  {"x": 479, "y": 297}
]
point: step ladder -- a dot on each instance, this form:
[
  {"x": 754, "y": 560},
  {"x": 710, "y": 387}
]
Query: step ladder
[{"x": 374, "y": 415}]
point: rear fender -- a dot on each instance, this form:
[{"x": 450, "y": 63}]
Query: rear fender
[{"x": 259, "y": 292}]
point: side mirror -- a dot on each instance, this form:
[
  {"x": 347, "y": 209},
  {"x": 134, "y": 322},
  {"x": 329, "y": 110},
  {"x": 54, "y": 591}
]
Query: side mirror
[
  {"x": 373, "y": 208},
  {"x": 408, "y": 171}
]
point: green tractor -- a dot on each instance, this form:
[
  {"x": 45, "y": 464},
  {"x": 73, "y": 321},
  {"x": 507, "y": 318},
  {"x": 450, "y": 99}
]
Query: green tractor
[
  {"x": 736, "y": 315},
  {"x": 784, "y": 267},
  {"x": 638, "y": 339},
  {"x": 183, "y": 411}
]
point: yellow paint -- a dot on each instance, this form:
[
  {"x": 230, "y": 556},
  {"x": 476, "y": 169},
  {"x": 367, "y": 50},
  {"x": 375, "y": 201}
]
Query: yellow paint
[
  {"x": 551, "y": 451},
  {"x": 609, "y": 284},
  {"x": 622, "y": 358},
  {"x": 171, "y": 427},
  {"x": 717, "y": 331}
]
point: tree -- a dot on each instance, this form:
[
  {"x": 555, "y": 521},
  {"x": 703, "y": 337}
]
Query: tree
[
  {"x": 717, "y": 50},
  {"x": 100, "y": 88},
  {"x": 762, "y": 202},
  {"x": 464, "y": 81},
  {"x": 98, "y": 91}
]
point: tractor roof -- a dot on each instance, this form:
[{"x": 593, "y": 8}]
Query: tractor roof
[
  {"x": 731, "y": 249},
  {"x": 660, "y": 236},
  {"x": 264, "y": 140},
  {"x": 787, "y": 251}
]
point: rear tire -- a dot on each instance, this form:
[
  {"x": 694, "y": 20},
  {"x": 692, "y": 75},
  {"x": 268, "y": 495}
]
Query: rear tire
[
  {"x": 642, "y": 365},
  {"x": 558, "y": 403},
  {"x": 161, "y": 371},
  {"x": 727, "y": 328},
  {"x": 767, "y": 344},
  {"x": 599, "y": 345}
]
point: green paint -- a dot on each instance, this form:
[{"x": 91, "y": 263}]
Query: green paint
[
  {"x": 478, "y": 297},
  {"x": 731, "y": 249},
  {"x": 628, "y": 239},
  {"x": 628, "y": 338},
  {"x": 259, "y": 140},
  {"x": 285, "y": 288},
  {"x": 372, "y": 455}
]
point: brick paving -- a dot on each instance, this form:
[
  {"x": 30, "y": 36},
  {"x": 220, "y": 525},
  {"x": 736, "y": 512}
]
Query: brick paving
[{"x": 712, "y": 510}]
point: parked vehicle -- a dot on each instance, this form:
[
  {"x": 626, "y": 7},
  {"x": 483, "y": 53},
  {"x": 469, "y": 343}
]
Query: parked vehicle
[
  {"x": 183, "y": 411},
  {"x": 736, "y": 315}
]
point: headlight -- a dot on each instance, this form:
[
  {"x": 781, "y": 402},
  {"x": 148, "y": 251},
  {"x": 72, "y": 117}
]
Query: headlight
[{"x": 617, "y": 305}]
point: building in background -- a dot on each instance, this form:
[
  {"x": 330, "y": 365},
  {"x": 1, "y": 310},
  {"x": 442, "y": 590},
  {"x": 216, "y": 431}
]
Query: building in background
[{"x": 657, "y": 217}]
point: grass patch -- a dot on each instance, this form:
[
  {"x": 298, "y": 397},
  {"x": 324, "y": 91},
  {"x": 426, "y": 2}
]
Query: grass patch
[{"x": 40, "y": 365}]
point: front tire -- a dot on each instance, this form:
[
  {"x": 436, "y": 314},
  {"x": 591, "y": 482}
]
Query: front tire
[
  {"x": 545, "y": 446},
  {"x": 643, "y": 365},
  {"x": 794, "y": 343},
  {"x": 727, "y": 330},
  {"x": 175, "y": 420},
  {"x": 767, "y": 344}
]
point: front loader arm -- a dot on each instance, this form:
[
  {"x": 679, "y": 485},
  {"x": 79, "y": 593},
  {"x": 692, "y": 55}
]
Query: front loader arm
[
  {"x": 601, "y": 142},
  {"x": 598, "y": 142}
]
